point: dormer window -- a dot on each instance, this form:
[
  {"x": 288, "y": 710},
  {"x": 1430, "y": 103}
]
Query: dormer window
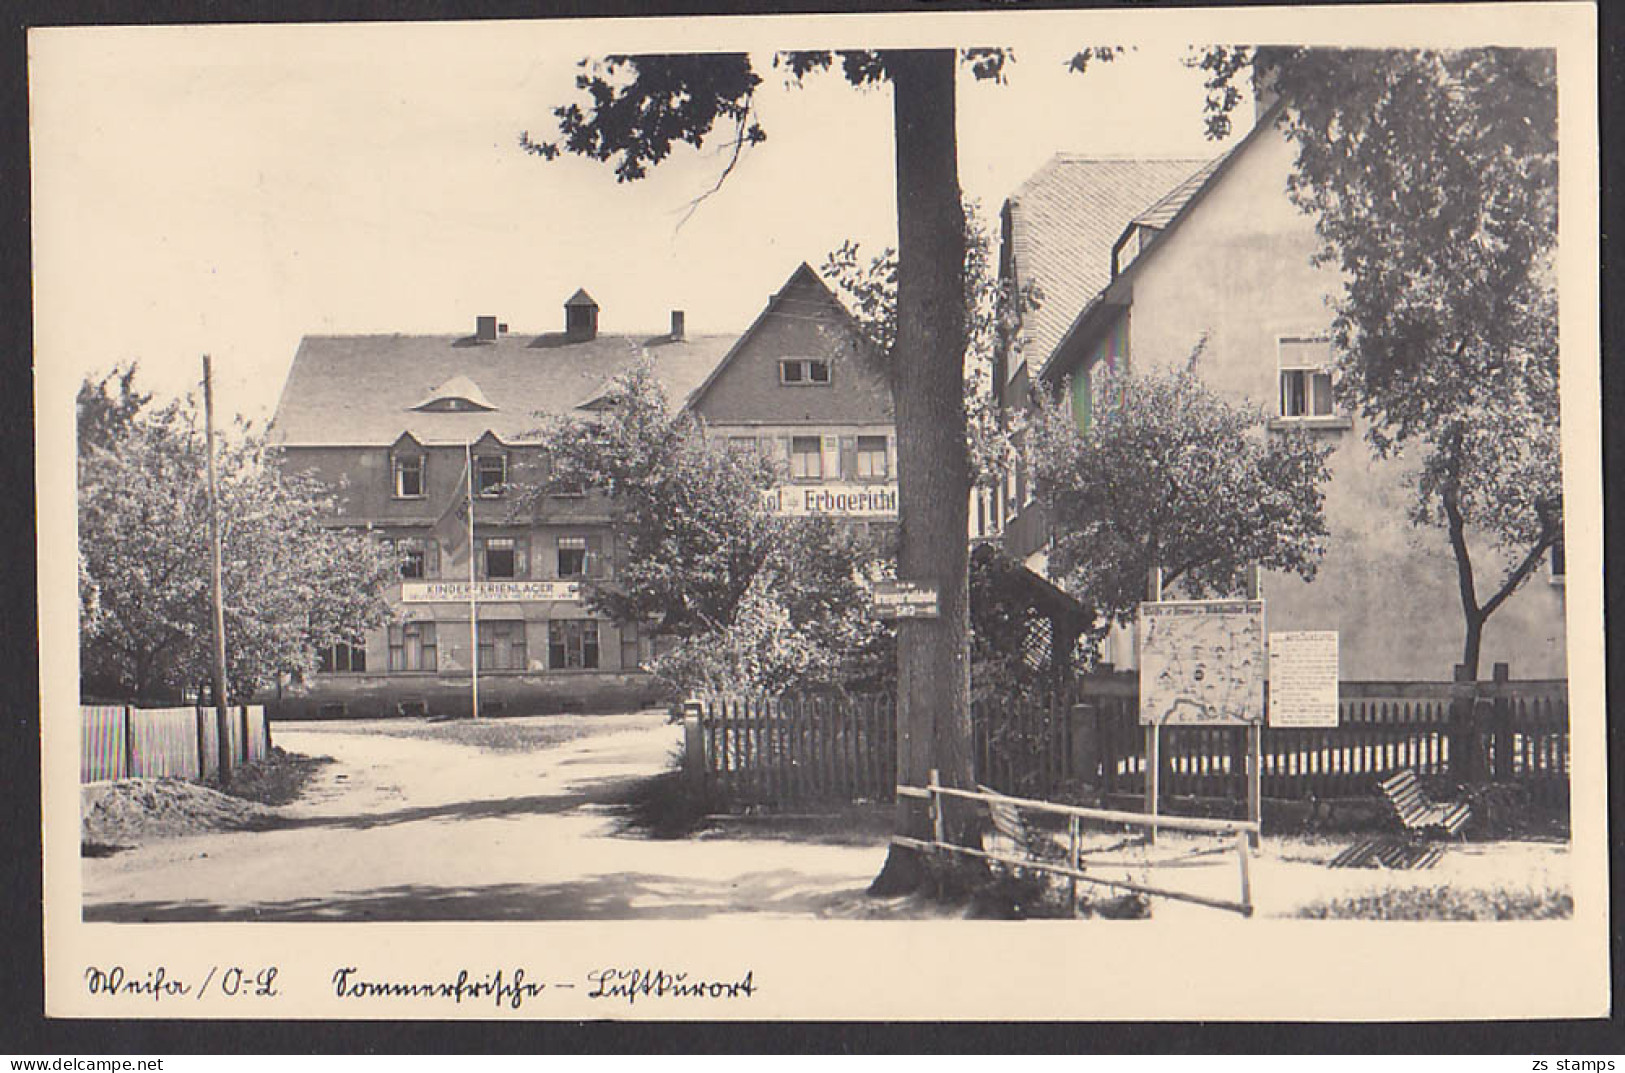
[
  {"x": 457, "y": 395},
  {"x": 490, "y": 475},
  {"x": 803, "y": 371},
  {"x": 409, "y": 476}
]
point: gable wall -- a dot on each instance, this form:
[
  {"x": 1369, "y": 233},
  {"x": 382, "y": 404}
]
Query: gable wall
[
  {"x": 801, "y": 323},
  {"x": 1238, "y": 268}
]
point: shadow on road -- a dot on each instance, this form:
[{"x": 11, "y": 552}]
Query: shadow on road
[{"x": 615, "y": 896}]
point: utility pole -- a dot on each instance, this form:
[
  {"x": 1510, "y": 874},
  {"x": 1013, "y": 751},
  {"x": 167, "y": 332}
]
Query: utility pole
[{"x": 222, "y": 719}]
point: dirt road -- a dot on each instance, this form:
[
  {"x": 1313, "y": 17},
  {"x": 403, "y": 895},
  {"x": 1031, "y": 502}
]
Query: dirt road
[{"x": 409, "y": 829}]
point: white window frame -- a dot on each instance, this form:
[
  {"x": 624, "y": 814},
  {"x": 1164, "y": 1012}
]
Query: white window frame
[
  {"x": 816, "y": 454},
  {"x": 859, "y": 455},
  {"x": 397, "y": 471},
  {"x": 1282, "y": 368},
  {"x": 804, "y": 372},
  {"x": 502, "y": 463},
  {"x": 571, "y": 543}
]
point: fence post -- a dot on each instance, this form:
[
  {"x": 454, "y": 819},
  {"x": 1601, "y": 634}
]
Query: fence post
[
  {"x": 1502, "y": 723},
  {"x": 693, "y": 749},
  {"x": 129, "y": 742},
  {"x": 1465, "y": 753},
  {"x": 242, "y": 718},
  {"x": 202, "y": 746},
  {"x": 1085, "y": 758}
]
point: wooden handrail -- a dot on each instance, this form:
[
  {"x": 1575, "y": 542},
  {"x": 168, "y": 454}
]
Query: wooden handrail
[{"x": 1175, "y": 823}]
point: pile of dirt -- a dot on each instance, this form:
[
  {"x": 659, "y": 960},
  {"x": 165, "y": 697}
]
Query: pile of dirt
[
  {"x": 278, "y": 779},
  {"x": 135, "y": 810}
]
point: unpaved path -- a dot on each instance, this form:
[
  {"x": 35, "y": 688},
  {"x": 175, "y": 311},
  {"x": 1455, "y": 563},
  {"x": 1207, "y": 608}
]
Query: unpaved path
[{"x": 408, "y": 829}]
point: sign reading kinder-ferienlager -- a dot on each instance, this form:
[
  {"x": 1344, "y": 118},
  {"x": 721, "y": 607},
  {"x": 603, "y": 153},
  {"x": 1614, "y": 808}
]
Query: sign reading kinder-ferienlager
[
  {"x": 488, "y": 592},
  {"x": 1202, "y": 662},
  {"x": 833, "y": 499}
]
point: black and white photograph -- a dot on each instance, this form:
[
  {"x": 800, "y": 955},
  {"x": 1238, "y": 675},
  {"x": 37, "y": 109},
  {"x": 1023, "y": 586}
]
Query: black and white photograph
[{"x": 649, "y": 518}]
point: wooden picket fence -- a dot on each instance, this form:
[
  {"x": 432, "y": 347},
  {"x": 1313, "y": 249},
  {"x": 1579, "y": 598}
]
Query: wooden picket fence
[
  {"x": 751, "y": 750},
  {"x": 1507, "y": 732},
  {"x": 123, "y": 742},
  {"x": 793, "y": 749}
]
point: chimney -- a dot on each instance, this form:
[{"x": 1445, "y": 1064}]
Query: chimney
[
  {"x": 580, "y": 317},
  {"x": 677, "y": 325},
  {"x": 485, "y": 329}
]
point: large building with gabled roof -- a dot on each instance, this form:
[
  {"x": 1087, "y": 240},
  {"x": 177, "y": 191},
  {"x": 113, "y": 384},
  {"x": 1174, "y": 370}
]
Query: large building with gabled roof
[
  {"x": 1138, "y": 263},
  {"x": 386, "y": 421}
]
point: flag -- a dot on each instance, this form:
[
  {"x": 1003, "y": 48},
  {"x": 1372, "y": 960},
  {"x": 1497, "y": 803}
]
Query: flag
[{"x": 452, "y": 527}]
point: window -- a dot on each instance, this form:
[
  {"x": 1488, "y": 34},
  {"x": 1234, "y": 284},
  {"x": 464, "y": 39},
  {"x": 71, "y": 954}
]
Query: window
[
  {"x": 343, "y": 658},
  {"x": 1559, "y": 563},
  {"x": 503, "y": 558},
  {"x": 412, "y": 557},
  {"x": 743, "y": 444},
  {"x": 803, "y": 371},
  {"x": 412, "y": 647},
  {"x": 572, "y": 644},
  {"x": 1306, "y": 377},
  {"x": 490, "y": 475},
  {"x": 871, "y": 464},
  {"x": 806, "y": 457},
  {"x": 409, "y": 476},
  {"x": 502, "y": 646},
  {"x": 572, "y": 556}
]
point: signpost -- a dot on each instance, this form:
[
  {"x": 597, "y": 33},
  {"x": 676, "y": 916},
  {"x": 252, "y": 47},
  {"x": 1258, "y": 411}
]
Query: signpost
[
  {"x": 1202, "y": 663},
  {"x": 1303, "y": 678},
  {"x": 905, "y": 599}
]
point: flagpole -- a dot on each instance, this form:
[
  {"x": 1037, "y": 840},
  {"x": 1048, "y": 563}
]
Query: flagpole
[{"x": 473, "y": 584}]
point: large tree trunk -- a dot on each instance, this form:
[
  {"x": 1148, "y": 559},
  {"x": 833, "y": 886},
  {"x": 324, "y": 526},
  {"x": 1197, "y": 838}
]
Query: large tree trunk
[{"x": 933, "y": 470}]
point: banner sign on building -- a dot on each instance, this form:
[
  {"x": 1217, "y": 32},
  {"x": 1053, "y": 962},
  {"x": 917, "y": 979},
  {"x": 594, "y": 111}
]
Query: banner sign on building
[
  {"x": 1303, "y": 678},
  {"x": 1202, "y": 662},
  {"x": 488, "y": 592},
  {"x": 833, "y": 499},
  {"x": 905, "y": 599}
]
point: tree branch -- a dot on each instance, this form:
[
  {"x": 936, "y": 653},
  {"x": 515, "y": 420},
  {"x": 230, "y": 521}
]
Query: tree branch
[{"x": 1548, "y": 537}]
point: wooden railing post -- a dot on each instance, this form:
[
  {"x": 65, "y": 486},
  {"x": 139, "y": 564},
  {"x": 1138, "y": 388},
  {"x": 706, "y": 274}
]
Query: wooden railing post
[
  {"x": 1073, "y": 837},
  {"x": 1153, "y": 732},
  {"x": 1242, "y": 853},
  {"x": 939, "y": 823}
]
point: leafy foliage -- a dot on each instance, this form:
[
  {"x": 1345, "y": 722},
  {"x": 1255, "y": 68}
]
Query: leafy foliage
[
  {"x": 1432, "y": 177},
  {"x": 291, "y": 585},
  {"x": 1171, "y": 474},
  {"x": 993, "y": 309},
  {"x": 105, "y": 408},
  {"x": 751, "y": 601}
]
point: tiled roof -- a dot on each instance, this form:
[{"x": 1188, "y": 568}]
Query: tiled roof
[
  {"x": 1166, "y": 208},
  {"x": 361, "y": 389},
  {"x": 1063, "y": 224}
]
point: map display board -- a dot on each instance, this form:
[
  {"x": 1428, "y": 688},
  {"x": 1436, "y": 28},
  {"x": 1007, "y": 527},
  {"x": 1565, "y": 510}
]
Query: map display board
[
  {"x": 1303, "y": 678},
  {"x": 1202, "y": 662}
]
